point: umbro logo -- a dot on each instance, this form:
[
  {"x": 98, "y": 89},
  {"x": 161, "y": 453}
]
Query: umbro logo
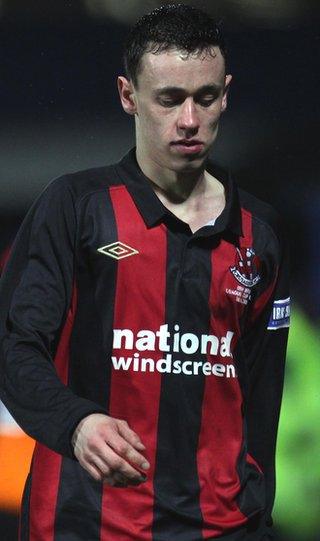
[{"x": 117, "y": 250}]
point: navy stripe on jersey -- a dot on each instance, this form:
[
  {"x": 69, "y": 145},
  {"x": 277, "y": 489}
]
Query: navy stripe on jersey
[
  {"x": 91, "y": 339},
  {"x": 177, "y": 513},
  {"x": 23, "y": 533},
  {"x": 78, "y": 508}
]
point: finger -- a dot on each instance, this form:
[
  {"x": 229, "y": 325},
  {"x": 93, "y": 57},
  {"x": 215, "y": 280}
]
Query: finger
[
  {"x": 129, "y": 435},
  {"x": 117, "y": 463},
  {"x": 112, "y": 482},
  {"x": 93, "y": 471},
  {"x": 101, "y": 466},
  {"x": 115, "y": 478},
  {"x": 120, "y": 481},
  {"x": 126, "y": 451},
  {"x": 120, "y": 478}
]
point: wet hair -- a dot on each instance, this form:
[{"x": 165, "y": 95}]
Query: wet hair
[{"x": 173, "y": 26}]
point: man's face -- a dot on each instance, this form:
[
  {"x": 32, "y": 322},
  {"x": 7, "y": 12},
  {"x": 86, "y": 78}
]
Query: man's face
[{"x": 177, "y": 105}]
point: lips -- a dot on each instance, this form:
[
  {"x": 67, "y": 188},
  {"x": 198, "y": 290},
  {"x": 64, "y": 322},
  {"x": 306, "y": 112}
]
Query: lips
[{"x": 188, "y": 146}]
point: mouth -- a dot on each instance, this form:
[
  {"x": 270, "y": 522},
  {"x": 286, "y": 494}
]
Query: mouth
[{"x": 188, "y": 146}]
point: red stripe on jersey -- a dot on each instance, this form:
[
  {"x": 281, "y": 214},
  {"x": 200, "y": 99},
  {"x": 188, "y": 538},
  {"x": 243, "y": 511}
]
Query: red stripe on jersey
[
  {"x": 46, "y": 464},
  {"x": 61, "y": 360},
  {"x": 221, "y": 434},
  {"x": 247, "y": 239},
  {"x": 134, "y": 394}
]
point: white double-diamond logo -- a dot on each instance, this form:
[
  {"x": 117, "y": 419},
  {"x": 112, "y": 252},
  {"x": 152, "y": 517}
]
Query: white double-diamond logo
[{"x": 117, "y": 250}]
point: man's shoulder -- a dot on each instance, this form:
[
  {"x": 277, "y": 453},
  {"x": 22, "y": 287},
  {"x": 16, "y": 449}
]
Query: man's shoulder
[
  {"x": 84, "y": 182},
  {"x": 262, "y": 213}
]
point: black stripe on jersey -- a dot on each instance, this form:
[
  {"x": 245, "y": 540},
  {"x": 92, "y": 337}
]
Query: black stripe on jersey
[
  {"x": 177, "y": 513},
  {"x": 91, "y": 341},
  {"x": 78, "y": 508},
  {"x": 89, "y": 358},
  {"x": 24, "y": 513}
]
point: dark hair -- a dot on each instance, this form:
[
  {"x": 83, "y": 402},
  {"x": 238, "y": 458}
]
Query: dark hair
[{"x": 171, "y": 26}]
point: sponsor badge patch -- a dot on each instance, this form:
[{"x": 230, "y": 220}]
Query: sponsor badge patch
[{"x": 280, "y": 315}]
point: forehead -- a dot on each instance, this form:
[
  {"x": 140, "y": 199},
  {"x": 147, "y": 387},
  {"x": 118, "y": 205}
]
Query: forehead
[{"x": 179, "y": 69}]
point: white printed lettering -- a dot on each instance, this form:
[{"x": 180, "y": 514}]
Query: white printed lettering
[
  {"x": 185, "y": 370},
  {"x": 206, "y": 369},
  {"x": 231, "y": 371},
  {"x": 176, "y": 338},
  {"x": 121, "y": 363},
  {"x": 145, "y": 362},
  {"x": 209, "y": 339},
  {"x": 218, "y": 370},
  {"x": 146, "y": 340},
  {"x": 176, "y": 367},
  {"x": 225, "y": 349},
  {"x": 164, "y": 365},
  {"x": 189, "y": 343},
  {"x": 163, "y": 335},
  {"x": 118, "y": 334}
]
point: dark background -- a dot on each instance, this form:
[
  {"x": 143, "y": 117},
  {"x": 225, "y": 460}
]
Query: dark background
[{"x": 60, "y": 112}]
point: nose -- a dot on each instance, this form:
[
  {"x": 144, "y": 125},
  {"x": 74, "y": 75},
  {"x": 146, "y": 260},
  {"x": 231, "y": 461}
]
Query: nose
[{"x": 188, "y": 120}]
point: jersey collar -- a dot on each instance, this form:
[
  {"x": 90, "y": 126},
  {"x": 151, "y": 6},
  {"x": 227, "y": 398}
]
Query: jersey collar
[{"x": 154, "y": 212}]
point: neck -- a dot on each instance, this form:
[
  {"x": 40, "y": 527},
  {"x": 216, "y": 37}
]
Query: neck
[{"x": 175, "y": 186}]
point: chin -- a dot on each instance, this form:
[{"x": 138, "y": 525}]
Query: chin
[{"x": 189, "y": 163}]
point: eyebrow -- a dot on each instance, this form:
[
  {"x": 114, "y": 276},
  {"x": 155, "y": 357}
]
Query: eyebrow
[{"x": 177, "y": 89}]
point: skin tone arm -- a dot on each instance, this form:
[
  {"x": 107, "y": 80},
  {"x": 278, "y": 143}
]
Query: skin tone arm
[{"x": 110, "y": 451}]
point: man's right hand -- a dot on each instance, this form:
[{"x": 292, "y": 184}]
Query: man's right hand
[{"x": 109, "y": 450}]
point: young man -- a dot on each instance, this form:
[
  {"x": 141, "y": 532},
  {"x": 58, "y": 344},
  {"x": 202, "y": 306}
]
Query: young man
[{"x": 146, "y": 315}]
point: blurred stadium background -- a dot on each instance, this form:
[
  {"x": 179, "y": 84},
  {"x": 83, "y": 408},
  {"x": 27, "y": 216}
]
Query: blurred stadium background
[{"x": 60, "y": 112}]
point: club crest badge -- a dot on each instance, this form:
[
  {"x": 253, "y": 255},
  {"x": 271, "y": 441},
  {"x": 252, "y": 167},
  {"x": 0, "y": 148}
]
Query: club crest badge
[{"x": 245, "y": 270}]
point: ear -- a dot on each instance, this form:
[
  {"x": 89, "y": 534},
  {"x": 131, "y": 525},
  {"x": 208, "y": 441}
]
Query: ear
[
  {"x": 126, "y": 93},
  {"x": 227, "y": 82}
]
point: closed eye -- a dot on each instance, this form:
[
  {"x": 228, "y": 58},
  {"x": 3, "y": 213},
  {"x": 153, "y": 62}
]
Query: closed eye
[
  {"x": 206, "y": 100},
  {"x": 173, "y": 96},
  {"x": 170, "y": 96},
  {"x": 170, "y": 101}
]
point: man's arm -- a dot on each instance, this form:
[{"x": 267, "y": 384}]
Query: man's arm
[
  {"x": 36, "y": 305},
  {"x": 265, "y": 345}
]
